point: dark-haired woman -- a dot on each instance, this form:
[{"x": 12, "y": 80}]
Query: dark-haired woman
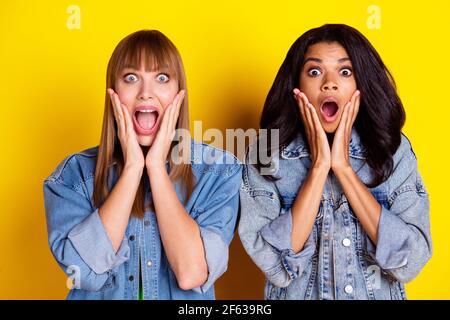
[{"x": 345, "y": 214}]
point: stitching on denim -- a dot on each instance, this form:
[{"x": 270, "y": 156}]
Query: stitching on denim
[{"x": 399, "y": 191}]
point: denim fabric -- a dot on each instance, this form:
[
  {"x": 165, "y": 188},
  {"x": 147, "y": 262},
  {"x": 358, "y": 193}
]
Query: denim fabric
[
  {"x": 82, "y": 248},
  {"x": 338, "y": 261}
]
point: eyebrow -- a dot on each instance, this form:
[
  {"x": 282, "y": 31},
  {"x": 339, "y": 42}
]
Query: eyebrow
[
  {"x": 161, "y": 69},
  {"x": 341, "y": 60}
]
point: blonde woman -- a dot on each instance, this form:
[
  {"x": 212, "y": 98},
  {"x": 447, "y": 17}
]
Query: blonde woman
[{"x": 138, "y": 217}]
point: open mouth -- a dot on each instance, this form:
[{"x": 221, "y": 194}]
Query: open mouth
[
  {"x": 145, "y": 120},
  {"x": 329, "y": 110}
]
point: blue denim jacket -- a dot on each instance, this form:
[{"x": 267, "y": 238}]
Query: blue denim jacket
[
  {"x": 338, "y": 261},
  {"x": 81, "y": 246}
]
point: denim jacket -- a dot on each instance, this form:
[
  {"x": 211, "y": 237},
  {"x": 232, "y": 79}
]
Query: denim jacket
[
  {"x": 82, "y": 248},
  {"x": 338, "y": 260}
]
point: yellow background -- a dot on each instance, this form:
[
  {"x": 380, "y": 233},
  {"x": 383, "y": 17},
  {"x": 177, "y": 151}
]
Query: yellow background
[{"x": 52, "y": 87}]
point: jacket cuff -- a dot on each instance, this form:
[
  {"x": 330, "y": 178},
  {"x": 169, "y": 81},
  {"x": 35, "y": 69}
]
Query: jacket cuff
[
  {"x": 92, "y": 243},
  {"x": 278, "y": 235},
  {"x": 216, "y": 253},
  {"x": 394, "y": 243}
]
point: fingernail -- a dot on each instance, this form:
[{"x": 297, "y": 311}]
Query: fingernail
[{"x": 296, "y": 91}]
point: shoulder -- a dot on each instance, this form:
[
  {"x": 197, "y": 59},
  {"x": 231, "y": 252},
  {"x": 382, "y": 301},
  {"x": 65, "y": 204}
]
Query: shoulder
[
  {"x": 405, "y": 175},
  {"x": 404, "y": 152},
  {"x": 209, "y": 159},
  {"x": 75, "y": 169}
]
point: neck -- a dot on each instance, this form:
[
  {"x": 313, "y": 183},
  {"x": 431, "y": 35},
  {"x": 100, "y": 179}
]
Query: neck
[
  {"x": 145, "y": 149},
  {"x": 330, "y": 137}
]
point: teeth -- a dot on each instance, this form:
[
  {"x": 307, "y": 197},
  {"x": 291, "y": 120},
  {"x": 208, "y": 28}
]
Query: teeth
[{"x": 146, "y": 111}]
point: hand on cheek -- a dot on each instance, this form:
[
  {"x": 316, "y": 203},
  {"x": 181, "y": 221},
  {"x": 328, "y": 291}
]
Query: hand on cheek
[
  {"x": 132, "y": 153},
  {"x": 317, "y": 139},
  {"x": 339, "y": 150},
  {"x": 160, "y": 147}
]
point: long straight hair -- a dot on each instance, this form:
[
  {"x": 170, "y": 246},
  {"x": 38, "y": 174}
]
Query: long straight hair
[
  {"x": 381, "y": 114},
  {"x": 155, "y": 50}
]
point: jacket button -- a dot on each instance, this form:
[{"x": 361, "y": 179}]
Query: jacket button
[
  {"x": 131, "y": 278},
  {"x": 146, "y": 223},
  {"x": 149, "y": 263},
  {"x": 346, "y": 242},
  {"x": 131, "y": 238},
  {"x": 348, "y": 289}
]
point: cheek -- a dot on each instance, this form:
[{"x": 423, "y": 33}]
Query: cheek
[
  {"x": 167, "y": 94},
  {"x": 304, "y": 84},
  {"x": 126, "y": 95},
  {"x": 348, "y": 89},
  {"x": 310, "y": 88}
]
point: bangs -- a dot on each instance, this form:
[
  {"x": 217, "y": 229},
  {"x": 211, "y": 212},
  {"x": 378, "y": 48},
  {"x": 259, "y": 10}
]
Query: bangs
[{"x": 150, "y": 49}]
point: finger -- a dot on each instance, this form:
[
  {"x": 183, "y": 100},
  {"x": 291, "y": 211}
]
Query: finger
[
  {"x": 313, "y": 132},
  {"x": 180, "y": 103},
  {"x": 343, "y": 122},
  {"x": 113, "y": 103},
  {"x": 170, "y": 114},
  {"x": 117, "y": 112},
  {"x": 303, "y": 112},
  {"x": 317, "y": 125},
  {"x": 301, "y": 105},
  {"x": 176, "y": 111},
  {"x": 171, "y": 107},
  {"x": 315, "y": 118},
  {"x": 127, "y": 119},
  {"x": 356, "y": 110},
  {"x": 305, "y": 103},
  {"x": 351, "y": 114},
  {"x": 297, "y": 98},
  {"x": 306, "y": 108},
  {"x": 309, "y": 107},
  {"x": 340, "y": 131},
  {"x": 347, "y": 118},
  {"x": 165, "y": 121},
  {"x": 305, "y": 100},
  {"x": 120, "y": 112}
]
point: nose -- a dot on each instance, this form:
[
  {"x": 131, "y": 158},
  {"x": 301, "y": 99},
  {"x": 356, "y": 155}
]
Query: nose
[
  {"x": 329, "y": 84},
  {"x": 145, "y": 91}
]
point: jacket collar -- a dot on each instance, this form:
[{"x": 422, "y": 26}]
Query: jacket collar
[{"x": 298, "y": 147}]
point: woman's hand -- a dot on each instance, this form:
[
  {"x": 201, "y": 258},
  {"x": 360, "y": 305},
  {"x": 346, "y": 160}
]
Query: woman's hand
[
  {"x": 339, "y": 150},
  {"x": 157, "y": 155},
  {"x": 317, "y": 139},
  {"x": 132, "y": 152}
]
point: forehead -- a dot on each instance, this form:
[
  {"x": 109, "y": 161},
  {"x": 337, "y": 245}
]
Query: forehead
[
  {"x": 327, "y": 52},
  {"x": 145, "y": 59}
]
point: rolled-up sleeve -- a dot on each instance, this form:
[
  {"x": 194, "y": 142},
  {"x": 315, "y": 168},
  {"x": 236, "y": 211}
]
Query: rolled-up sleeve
[
  {"x": 94, "y": 246},
  {"x": 77, "y": 238},
  {"x": 404, "y": 241},
  {"x": 265, "y": 231},
  {"x": 217, "y": 221},
  {"x": 278, "y": 235}
]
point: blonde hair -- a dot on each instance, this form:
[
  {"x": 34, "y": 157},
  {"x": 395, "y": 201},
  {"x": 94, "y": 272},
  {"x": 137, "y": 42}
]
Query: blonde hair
[{"x": 156, "y": 51}]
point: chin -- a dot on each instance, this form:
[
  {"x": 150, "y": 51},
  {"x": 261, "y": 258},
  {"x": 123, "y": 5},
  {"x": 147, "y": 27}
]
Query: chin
[
  {"x": 330, "y": 127},
  {"x": 145, "y": 141}
]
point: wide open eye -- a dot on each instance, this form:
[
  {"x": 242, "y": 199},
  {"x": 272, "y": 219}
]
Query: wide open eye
[
  {"x": 130, "y": 77},
  {"x": 346, "y": 72},
  {"x": 162, "y": 77},
  {"x": 314, "y": 72}
]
